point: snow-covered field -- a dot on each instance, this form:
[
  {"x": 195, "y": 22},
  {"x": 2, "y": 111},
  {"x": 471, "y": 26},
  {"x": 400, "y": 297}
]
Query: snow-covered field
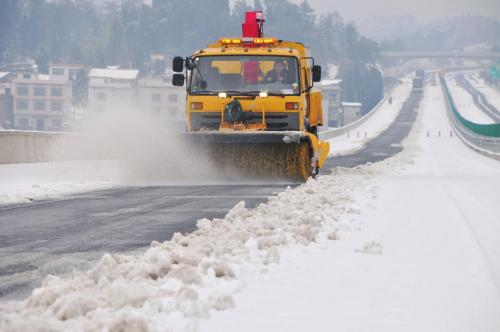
[
  {"x": 465, "y": 104},
  {"x": 22, "y": 183},
  {"x": 408, "y": 244},
  {"x": 356, "y": 139}
]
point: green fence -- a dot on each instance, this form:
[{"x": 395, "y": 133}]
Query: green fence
[{"x": 489, "y": 130}]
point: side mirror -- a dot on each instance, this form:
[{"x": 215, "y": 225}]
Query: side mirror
[
  {"x": 178, "y": 64},
  {"x": 316, "y": 72},
  {"x": 178, "y": 80}
]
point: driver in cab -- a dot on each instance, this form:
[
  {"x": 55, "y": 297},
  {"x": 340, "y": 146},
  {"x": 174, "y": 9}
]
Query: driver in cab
[{"x": 278, "y": 74}]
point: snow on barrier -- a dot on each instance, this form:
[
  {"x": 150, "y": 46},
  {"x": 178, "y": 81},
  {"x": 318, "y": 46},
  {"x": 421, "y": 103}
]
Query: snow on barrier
[
  {"x": 25, "y": 146},
  {"x": 353, "y": 125},
  {"x": 482, "y": 137}
]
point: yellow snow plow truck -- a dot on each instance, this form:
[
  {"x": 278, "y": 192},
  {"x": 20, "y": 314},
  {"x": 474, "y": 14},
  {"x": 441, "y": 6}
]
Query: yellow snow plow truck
[{"x": 251, "y": 104}]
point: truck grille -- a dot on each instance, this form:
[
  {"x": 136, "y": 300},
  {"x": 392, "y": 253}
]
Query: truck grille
[{"x": 274, "y": 120}]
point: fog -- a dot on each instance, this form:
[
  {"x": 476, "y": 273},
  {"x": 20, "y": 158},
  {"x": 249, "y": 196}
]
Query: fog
[{"x": 423, "y": 10}]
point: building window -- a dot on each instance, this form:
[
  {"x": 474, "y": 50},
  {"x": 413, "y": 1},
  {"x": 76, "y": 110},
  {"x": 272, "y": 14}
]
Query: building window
[
  {"x": 58, "y": 71},
  {"x": 22, "y": 90},
  {"x": 39, "y": 91},
  {"x": 56, "y": 124},
  {"x": 155, "y": 97},
  {"x": 40, "y": 124},
  {"x": 155, "y": 109},
  {"x": 56, "y": 105},
  {"x": 101, "y": 96},
  {"x": 23, "y": 123},
  {"x": 173, "y": 98},
  {"x": 56, "y": 92},
  {"x": 27, "y": 76},
  {"x": 172, "y": 111},
  {"x": 73, "y": 74},
  {"x": 21, "y": 104},
  {"x": 39, "y": 105}
]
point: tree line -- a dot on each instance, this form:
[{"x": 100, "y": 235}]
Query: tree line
[{"x": 126, "y": 32}]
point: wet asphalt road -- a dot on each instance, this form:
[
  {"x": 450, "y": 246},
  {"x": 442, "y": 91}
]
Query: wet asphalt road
[{"x": 55, "y": 237}]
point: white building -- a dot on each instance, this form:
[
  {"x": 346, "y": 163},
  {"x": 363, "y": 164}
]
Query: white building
[
  {"x": 41, "y": 102},
  {"x": 351, "y": 112},
  {"x": 112, "y": 89},
  {"x": 331, "y": 102},
  {"x": 65, "y": 71},
  {"x": 159, "y": 96}
]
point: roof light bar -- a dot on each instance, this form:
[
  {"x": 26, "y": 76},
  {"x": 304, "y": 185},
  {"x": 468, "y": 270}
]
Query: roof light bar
[{"x": 247, "y": 40}]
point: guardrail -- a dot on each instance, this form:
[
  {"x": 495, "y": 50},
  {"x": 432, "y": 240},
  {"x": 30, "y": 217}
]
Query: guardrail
[
  {"x": 353, "y": 125},
  {"x": 484, "y": 138}
]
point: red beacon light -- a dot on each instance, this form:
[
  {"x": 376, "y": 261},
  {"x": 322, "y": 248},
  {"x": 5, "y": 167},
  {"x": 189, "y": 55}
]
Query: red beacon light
[{"x": 253, "y": 26}]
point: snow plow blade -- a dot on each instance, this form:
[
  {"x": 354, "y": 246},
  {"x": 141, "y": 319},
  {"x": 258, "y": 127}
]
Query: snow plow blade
[{"x": 260, "y": 154}]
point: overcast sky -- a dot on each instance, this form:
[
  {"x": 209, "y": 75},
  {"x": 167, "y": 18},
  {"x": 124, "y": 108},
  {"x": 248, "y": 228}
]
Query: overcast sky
[{"x": 423, "y": 10}]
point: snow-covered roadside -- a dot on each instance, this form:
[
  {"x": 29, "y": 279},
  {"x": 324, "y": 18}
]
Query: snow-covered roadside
[
  {"x": 23, "y": 183},
  {"x": 356, "y": 139},
  {"x": 426, "y": 258},
  {"x": 176, "y": 283},
  {"x": 465, "y": 103}
]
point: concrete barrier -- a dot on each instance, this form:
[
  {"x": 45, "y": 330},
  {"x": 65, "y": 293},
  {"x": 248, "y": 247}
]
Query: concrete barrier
[
  {"x": 26, "y": 146},
  {"x": 353, "y": 125}
]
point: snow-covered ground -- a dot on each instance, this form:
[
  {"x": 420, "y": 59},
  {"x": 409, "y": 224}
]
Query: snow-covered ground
[
  {"x": 491, "y": 94},
  {"x": 356, "y": 139},
  {"x": 22, "y": 183},
  {"x": 422, "y": 255},
  {"x": 408, "y": 244},
  {"x": 465, "y": 104}
]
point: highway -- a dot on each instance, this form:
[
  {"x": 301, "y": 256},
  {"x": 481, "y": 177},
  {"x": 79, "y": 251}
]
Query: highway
[
  {"x": 479, "y": 98},
  {"x": 57, "y": 236}
]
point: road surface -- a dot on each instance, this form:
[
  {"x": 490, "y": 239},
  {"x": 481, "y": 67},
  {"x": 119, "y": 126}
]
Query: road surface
[{"x": 55, "y": 237}]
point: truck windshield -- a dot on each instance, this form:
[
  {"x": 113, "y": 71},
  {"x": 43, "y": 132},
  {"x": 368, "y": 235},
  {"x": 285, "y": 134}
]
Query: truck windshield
[{"x": 239, "y": 74}]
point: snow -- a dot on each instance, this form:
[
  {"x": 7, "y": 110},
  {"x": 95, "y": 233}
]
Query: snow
[
  {"x": 465, "y": 104},
  {"x": 346, "y": 103},
  {"x": 23, "y": 183},
  {"x": 3, "y": 74},
  {"x": 178, "y": 282},
  {"x": 128, "y": 74},
  {"x": 491, "y": 94},
  {"x": 357, "y": 138},
  {"x": 407, "y": 244},
  {"x": 422, "y": 255}
]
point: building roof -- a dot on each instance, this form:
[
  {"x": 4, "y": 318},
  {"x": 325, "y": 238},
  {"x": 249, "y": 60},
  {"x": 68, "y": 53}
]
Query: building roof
[
  {"x": 3, "y": 74},
  {"x": 66, "y": 65},
  {"x": 346, "y": 103},
  {"x": 124, "y": 74}
]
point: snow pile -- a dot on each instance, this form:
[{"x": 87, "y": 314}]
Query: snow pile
[{"x": 176, "y": 283}]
